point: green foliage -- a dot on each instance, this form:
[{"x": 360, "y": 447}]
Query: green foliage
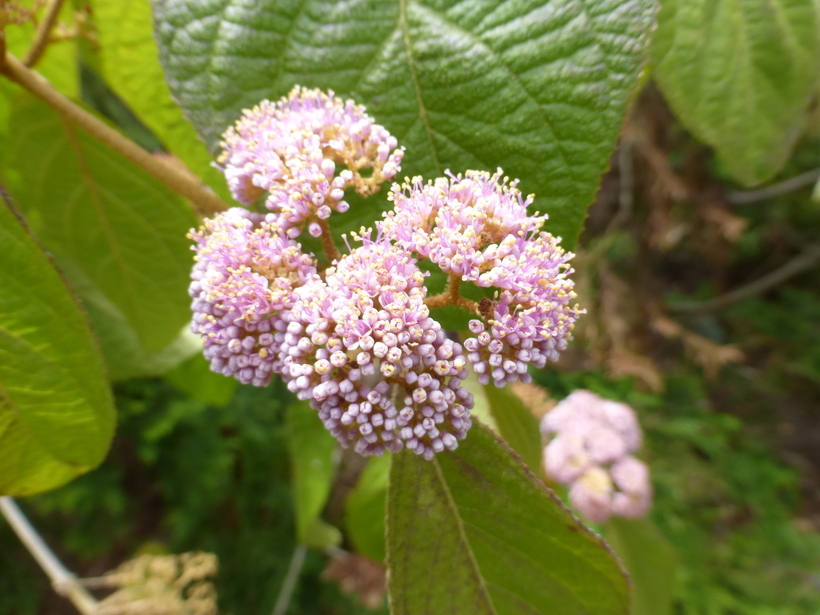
[
  {"x": 56, "y": 412},
  {"x": 538, "y": 89},
  {"x": 312, "y": 449},
  {"x": 195, "y": 378},
  {"x": 650, "y": 561},
  {"x": 366, "y": 508},
  {"x": 516, "y": 424},
  {"x": 123, "y": 228},
  {"x": 472, "y": 531},
  {"x": 131, "y": 66},
  {"x": 740, "y": 75}
]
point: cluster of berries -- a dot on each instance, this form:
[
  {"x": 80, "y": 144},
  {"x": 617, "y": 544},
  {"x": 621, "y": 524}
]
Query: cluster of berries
[
  {"x": 358, "y": 340},
  {"x": 592, "y": 439}
]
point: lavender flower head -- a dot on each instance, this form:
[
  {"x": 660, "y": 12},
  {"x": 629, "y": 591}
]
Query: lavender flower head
[
  {"x": 291, "y": 150},
  {"x": 243, "y": 281},
  {"x": 477, "y": 229},
  {"x": 592, "y": 439},
  {"x": 362, "y": 347},
  {"x": 358, "y": 340}
]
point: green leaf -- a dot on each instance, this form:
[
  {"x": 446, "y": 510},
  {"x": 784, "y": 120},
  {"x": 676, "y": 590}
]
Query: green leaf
[
  {"x": 473, "y": 532},
  {"x": 365, "y": 509},
  {"x": 740, "y": 75},
  {"x": 195, "y": 378},
  {"x": 537, "y": 88},
  {"x": 650, "y": 560},
  {"x": 56, "y": 411},
  {"x": 312, "y": 453},
  {"x": 130, "y": 63},
  {"x": 124, "y": 355},
  {"x": 516, "y": 424},
  {"x": 123, "y": 228}
]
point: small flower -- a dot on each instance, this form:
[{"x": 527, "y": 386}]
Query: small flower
[
  {"x": 291, "y": 150},
  {"x": 243, "y": 281},
  {"x": 363, "y": 349},
  {"x": 590, "y": 452}
]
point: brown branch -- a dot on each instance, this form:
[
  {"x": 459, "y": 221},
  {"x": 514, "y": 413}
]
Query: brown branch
[
  {"x": 41, "y": 36},
  {"x": 451, "y": 296},
  {"x": 806, "y": 260},
  {"x": 201, "y": 197},
  {"x": 327, "y": 242}
]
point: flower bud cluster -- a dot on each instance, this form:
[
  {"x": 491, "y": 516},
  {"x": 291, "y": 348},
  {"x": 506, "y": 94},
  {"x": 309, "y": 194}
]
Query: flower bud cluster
[
  {"x": 477, "y": 228},
  {"x": 358, "y": 340},
  {"x": 590, "y": 450},
  {"x": 290, "y": 150}
]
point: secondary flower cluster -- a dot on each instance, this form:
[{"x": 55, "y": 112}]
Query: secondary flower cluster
[
  {"x": 359, "y": 340},
  {"x": 590, "y": 452}
]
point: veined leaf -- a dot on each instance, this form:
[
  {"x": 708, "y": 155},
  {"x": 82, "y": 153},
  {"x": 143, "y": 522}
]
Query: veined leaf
[
  {"x": 740, "y": 74},
  {"x": 56, "y": 411},
  {"x": 131, "y": 67},
  {"x": 123, "y": 228},
  {"x": 473, "y": 532},
  {"x": 538, "y": 88}
]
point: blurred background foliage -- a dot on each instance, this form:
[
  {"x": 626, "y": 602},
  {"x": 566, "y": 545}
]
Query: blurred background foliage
[{"x": 728, "y": 393}]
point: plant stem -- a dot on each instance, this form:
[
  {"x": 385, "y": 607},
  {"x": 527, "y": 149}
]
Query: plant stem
[
  {"x": 451, "y": 296},
  {"x": 802, "y": 262},
  {"x": 327, "y": 242},
  {"x": 745, "y": 197},
  {"x": 62, "y": 580},
  {"x": 289, "y": 584},
  {"x": 41, "y": 37},
  {"x": 201, "y": 197}
]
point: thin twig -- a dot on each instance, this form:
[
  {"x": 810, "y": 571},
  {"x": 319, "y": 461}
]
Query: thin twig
[
  {"x": 289, "y": 584},
  {"x": 803, "y": 261},
  {"x": 201, "y": 197},
  {"x": 62, "y": 580},
  {"x": 744, "y": 197},
  {"x": 327, "y": 242},
  {"x": 41, "y": 36},
  {"x": 451, "y": 296}
]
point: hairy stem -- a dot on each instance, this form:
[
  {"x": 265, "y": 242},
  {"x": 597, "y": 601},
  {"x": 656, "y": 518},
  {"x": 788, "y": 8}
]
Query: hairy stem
[
  {"x": 204, "y": 201},
  {"x": 41, "y": 37},
  {"x": 451, "y": 296},
  {"x": 327, "y": 242},
  {"x": 292, "y": 576},
  {"x": 64, "y": 582}
]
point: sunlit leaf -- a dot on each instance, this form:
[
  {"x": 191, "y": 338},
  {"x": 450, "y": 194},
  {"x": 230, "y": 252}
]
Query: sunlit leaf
[
  {"x": 56, "y": 411},
  {"x": 131, "y": 67},
  {"x": 124, "y": 229},
  {"x": 537, "y": 88},
  {"x": 740, "y": 75},
  {"x": 474, "y": 532}
]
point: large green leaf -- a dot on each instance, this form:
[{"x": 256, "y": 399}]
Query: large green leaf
[
  {"x": 312, "y": 451},
  {"x": 365, "y": 509},
  {"x": 56, "y": 411},
  {"x": 740, "y": 74},
  {"x": 536, "y": 87},
  {"x": 650, "y": 560},
  {"x": 474, "y": 532},
  {"x": 124, "y": 355},
  {"x": 123, "y": 228},
  {"x": 516, "y": 424},
  {"x": 131, "y": 66}
]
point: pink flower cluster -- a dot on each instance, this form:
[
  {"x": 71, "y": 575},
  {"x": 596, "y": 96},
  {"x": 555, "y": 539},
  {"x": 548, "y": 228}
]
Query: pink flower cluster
[
  {"x": 290, "y": 150},
  {"x": 358, "y": 340},
  {"x": 592, "y": 439},
  {"x": 477, "y": 229}
]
